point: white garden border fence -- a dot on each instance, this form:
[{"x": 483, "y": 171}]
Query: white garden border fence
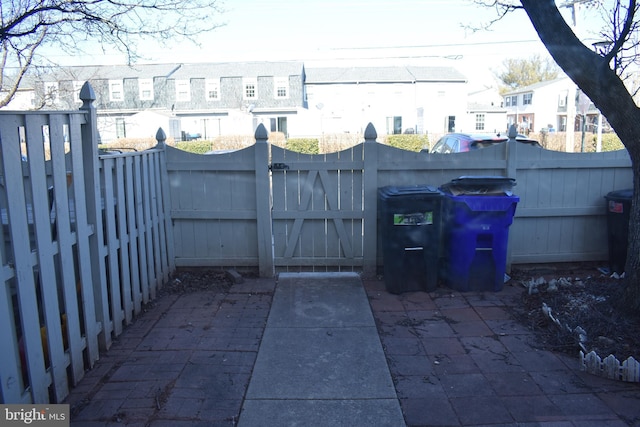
[
  {"x": 88, "y": 239},
  {"x": 85, "y": 243}
]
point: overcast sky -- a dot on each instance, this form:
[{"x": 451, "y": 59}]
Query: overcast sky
[{"x": 354, "y": 32}]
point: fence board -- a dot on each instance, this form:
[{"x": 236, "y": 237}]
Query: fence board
[
  {"x": 113, "y": 276},
  {"x": 132, "y": 231},
  {"x": 123, "y": 239},
  {"x": 146, "y": 211}
]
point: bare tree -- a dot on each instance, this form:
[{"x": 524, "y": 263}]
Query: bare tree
[
  {"x": 27, "y": 27},
  {"x": 603, "y": 75}
]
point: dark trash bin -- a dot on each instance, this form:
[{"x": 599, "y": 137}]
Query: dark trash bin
[
  {"x": 409, "y": 228},
  {"x": 477, "y": 213},
  {"x": 618, "y": 211}
]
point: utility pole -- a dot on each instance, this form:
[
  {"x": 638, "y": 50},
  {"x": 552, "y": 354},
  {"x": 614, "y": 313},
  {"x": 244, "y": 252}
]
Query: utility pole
[{"x": 571, "y": 96}]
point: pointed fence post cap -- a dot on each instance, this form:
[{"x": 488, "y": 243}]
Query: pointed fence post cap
[
  {"x": 161, "y": 137},
  {"x": 87, "y": 95},
  {"x": 261, "y": 134},
  {"x": 370, "y": 133}
]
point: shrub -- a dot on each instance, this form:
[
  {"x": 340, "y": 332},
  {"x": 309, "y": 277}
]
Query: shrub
[
  {"x": 198, "y": 146},
  {"x": 131, "y": 144},
  {"x": 409, "y": 142},
  {"x": 303, "y": 145},
  {"x": 610, "y": 142}
]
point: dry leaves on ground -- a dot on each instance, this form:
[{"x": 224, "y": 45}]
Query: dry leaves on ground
[{"x": 579, "y": 297}]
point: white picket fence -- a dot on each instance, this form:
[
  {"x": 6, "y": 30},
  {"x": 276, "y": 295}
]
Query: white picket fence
[
  {"x": 86, "y": 243},
  {"x": 610, "y": 367}
]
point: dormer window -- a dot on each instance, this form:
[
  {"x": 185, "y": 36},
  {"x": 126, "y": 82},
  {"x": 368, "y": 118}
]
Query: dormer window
[
  {"x": 212, "y": 89},
  {"x": 281, "y": 88},
  {"x": 145, "y": 88},
  {"x": 250, "y": 87},
  {"x": 183, "y": 90},
  {"x": 116, "y": 90}
]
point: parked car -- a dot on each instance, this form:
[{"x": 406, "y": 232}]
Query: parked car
[{"x": 463, "y": 142}]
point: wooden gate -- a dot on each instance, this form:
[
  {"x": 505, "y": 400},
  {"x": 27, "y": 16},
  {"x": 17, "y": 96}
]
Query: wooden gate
[{"x": 318, "y": 211}]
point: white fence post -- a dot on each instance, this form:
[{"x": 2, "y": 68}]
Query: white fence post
[
  {"x": 166, "y": 201},
  {"x": 97, "y": 250},
  {"x": 370, "y": 201},
  {"x": 263, "y": 204}
]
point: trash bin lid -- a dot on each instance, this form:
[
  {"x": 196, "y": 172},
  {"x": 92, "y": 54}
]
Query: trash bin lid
[
  {"x": 392, "y": 191},
  {"x": 620, "y": 195},
  {"x": 479, "y": 185}
]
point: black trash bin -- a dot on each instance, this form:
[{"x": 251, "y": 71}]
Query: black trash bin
[
  {"x": 618, "y": 210},
  {"x": 477, "y": 213},
  {"x": 409, "y": 227}
]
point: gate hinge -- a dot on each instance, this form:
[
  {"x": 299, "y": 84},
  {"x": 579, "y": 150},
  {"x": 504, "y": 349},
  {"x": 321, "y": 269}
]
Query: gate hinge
[{"x": 278, "y": 167}]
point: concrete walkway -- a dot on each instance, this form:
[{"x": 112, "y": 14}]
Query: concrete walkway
[{"x": 321, "y": 362}]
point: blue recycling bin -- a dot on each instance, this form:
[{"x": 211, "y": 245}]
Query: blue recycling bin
[
  {"x": 476, "y": 233},
  {"x": 409, "y": 226}
]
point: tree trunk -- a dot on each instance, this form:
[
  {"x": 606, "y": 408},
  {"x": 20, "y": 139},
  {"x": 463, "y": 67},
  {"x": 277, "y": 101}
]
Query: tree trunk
[
  {"x": 632, "y": 265},
  {"x": 594, "y": 76}
]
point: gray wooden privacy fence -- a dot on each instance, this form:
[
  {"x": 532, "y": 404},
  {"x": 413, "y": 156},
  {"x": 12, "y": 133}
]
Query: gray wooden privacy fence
[
  {"x": 278, "y": 210},
  {"x": 88, "y": 239},
  {"x": 85, "y": 243}
]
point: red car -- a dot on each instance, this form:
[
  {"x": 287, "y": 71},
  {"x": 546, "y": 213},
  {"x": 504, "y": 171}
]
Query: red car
[{"x": 463, "y": 142}]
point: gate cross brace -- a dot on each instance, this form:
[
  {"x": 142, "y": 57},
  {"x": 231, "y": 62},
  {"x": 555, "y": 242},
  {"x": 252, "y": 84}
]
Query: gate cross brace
[{"x": 332, "y": 200}]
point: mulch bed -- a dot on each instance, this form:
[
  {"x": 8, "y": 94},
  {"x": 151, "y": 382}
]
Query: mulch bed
[{"x": 578, "y": 297}]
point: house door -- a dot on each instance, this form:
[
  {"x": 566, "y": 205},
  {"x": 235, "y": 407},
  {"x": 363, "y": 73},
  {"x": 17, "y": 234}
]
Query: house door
[{"x": 451, "y": 124}]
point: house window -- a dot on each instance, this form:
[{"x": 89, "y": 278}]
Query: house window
[
  {"x": 394, "y": 125},
  {"x": 527, "y": 98},
  {"x": 145, "y": 89},
  {"x": 51, "y": 92},
  {"x": 250, "y": 88},
  {"x": 562, "y": 100},
  {"x": 115, "y": 90},
  {"x": 480, "y": 121},
  {"x": 281, "y": 87},
  {"x": 278, "y": 124},
  {"x": 183, "y": 90},
  {"x": 121, "y": 131},
  {"x": 514, "y": 100},
  {"x": 212, "y": 88}
]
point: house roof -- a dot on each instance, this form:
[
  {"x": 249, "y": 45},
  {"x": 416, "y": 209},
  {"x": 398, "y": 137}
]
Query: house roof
[
  {"x": 477, "y": 107},
  {"x": 537, "y": 86},
  {"x": 177, "y": 70},
  {"x": 399, "y": 74}
]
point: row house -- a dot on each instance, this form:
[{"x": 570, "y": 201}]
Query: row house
[
  {"x": 188, "y": 100},
  {"x": 205, "y": 100},
  {"x": 398, "y": 99}
]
